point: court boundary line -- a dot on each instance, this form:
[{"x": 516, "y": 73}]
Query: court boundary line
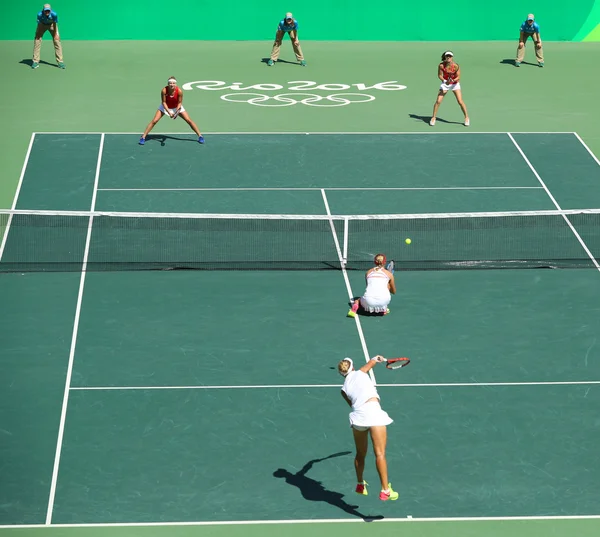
[
  {"x": 361, "y": 335},
  {"x": 587, "y": 148},
  {"x": 305, "y": 521},
  {"x": 316, "y": 188},
  {"x": 67, "y": 391},
  {"x": 316, "y": 386},
  {"x": 218, "y": 133},
  {"x": 17, "y": 193},
  {"x": 537, "y": 175}
]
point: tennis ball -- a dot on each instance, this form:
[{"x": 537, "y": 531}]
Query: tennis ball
[{"x": 407, "y": 241}]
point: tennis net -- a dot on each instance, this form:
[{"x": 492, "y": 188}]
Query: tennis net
[{"x": 63, "y": 241}]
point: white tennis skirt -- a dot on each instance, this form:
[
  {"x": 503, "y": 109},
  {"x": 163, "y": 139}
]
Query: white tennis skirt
[
  {"x": 375, "y": 304},
  {"x": 450, "y": 87},
  {"x": 369, "y": 415},
  {"x": 162, "y": 109}
]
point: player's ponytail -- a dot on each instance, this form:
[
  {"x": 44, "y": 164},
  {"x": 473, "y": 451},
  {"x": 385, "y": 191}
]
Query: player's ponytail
[{"x": 379, "y": 260}]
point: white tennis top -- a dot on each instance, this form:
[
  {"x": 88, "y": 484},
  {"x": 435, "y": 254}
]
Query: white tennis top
[
  {"x": 359, "y": 388},
  {"x": 377, "y": 285}
]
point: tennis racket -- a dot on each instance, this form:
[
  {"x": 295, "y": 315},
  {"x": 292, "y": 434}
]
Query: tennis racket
[
  {"x": 394, "y": 363},
  {"x": 175, "y": 114},
  {"x": 390, "y": 266}
]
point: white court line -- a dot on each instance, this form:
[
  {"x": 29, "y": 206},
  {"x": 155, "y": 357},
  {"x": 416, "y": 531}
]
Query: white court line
[
  {"x": 577, "y": 236},
  {"x": 316, "y": 386},
  {"x": 361, "y": 335},
  {"x": 322, "y": 188},
  {"x": 63, "y": 413},
  {"x": 426, "y": 132},
  {"x": 307, "y": 521},
  {"x": 588, "y": 149},
  {"x": 16, "y": 197}
]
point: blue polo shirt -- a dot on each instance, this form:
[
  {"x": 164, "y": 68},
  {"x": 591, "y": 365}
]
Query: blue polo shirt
[
  {"x": 530, "y": 29},
  {"x": 47, "y": 19},
  {"x": 285, "y": 27}
]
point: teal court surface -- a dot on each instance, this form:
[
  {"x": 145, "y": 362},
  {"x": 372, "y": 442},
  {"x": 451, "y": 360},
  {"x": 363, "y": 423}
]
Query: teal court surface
[{"x": 137, "y": 394}]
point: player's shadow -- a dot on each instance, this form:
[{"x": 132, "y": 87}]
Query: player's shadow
[
  {"x": 162, "y": 138},
  {"x": 314, "y": 491},
  {"x": 266, "y": 60},
  {"x": 507, "y": 61},
  {"x": 29, "y": 62},
  {"x": 427, "y": 119}
]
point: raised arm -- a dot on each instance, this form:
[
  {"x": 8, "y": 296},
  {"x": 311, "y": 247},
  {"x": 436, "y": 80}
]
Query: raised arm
[{"x": 371, "y": 364}]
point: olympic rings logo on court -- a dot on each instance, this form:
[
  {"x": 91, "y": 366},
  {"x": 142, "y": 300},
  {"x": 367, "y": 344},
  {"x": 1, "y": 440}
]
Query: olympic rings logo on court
[
  {"x": 300, "y": 96},
  {"x": 290, "y": 99}
]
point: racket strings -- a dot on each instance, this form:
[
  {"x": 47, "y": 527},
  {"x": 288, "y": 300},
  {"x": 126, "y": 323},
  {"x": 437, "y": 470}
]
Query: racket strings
[{"x": 397, "y": 363}]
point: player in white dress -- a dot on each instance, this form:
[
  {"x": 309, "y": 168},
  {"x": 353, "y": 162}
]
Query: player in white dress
[
  {"x": 366, "y": 417},
  {"x": 380, "y": 288}
]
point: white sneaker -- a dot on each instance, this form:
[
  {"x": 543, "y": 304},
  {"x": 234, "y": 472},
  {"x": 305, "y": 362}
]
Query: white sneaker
[
  {"x": 432, "y": 122},
  {"x": 467, "y": 122}
]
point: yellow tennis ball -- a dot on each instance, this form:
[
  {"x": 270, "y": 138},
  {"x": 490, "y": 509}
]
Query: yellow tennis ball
[{"x": 407, "y": 241}]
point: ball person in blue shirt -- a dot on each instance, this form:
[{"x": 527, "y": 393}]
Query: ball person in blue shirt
[
  {"x": 47, "y": 21},
  {"x": 530, "y": 28},
  {"x": 288, "y": 25}
]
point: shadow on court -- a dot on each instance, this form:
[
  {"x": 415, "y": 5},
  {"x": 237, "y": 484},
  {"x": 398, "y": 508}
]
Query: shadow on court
[
  {"x": 162, "y": 138},
  {"x": 508, "y": 61},
  {"x": 29, "y": 62},
  {"x": 314, "y": 491},
  {"x": 265, "y": 60},
  {"x": 426, "y": 119}
]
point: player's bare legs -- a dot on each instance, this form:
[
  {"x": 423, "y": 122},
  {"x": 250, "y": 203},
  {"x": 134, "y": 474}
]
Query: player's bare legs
[
  {"x": 186, "y": 117},
  {"x": 154, "y": 121},
  {"x": 436, "y": 106},
  {"x": 463, "y": 106}
]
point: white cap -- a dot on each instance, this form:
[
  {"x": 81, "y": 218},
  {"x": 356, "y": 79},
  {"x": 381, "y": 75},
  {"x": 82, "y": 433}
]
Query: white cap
[
  {"x": 47, "y": 7},
  {"x": 448, "y": 53},
  {"x": 530, "y": 17},
  {"x": 288, "y": 15},
  {"x": 351, "y": 368}
]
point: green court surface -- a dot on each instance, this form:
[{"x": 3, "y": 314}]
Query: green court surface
[{"x": 206, "y": 403}]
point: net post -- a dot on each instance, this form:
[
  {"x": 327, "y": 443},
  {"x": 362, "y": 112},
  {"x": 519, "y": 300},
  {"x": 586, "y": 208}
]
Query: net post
[{"x": 345, "y": 250}]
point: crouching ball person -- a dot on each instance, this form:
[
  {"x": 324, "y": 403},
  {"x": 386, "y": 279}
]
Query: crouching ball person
[{"x": 367, "y": 418}]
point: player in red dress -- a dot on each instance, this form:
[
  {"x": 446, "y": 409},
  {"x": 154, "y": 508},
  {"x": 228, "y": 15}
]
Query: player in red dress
[
  {"x": 449, "y": 74},
  {"x": 171, "y": 98}
]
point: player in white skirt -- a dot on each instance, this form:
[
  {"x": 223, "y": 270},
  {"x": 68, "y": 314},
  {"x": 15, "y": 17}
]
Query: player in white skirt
[
  {"x": 449, "y": 74},
  {"x": 380, "y": 288},
  {"x": 366, "y": 417}
]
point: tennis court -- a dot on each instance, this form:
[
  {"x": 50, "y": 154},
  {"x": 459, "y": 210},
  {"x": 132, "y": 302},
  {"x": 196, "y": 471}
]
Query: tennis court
[{"x": 205, "y": 400}]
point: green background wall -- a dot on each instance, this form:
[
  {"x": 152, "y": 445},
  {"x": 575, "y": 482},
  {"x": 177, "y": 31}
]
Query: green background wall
[{"x": 396, "y": 20}]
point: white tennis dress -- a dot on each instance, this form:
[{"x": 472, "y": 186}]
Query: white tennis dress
[
  {"x": 359, "y": 389},
  {"x": 377, "y": 295}
]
